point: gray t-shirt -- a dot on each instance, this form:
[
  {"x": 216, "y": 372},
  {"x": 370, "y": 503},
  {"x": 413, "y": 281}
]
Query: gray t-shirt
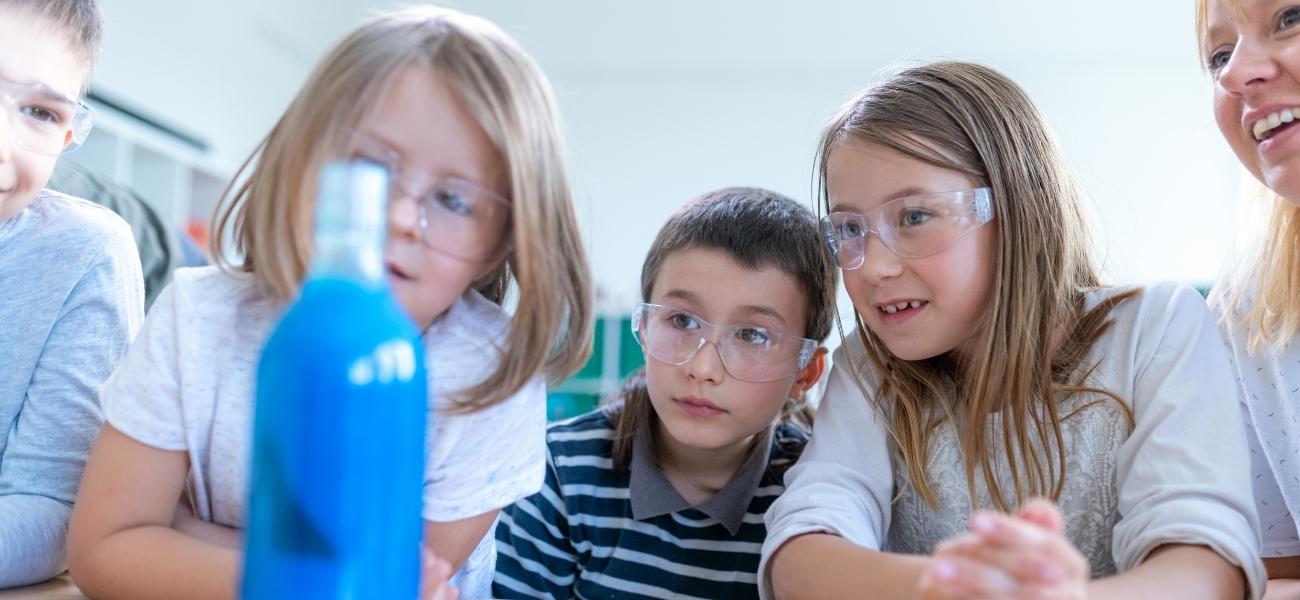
[{"x": 71, "y": 298}]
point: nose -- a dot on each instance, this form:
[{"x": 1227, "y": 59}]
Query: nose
[
  {"x": 1250, "y": 65},
  {"x": 706, "y": 365},
  {"x": 878, "y": 261},
  {"x": 403, "y": 215}
]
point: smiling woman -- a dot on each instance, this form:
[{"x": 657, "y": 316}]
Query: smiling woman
[{"x": 1252, "y": 53}]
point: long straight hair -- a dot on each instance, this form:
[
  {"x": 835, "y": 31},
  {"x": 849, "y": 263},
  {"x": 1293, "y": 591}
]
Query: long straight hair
[
  {"x": 1037, "y": 330},
  {"x": 270, "y": 213}
]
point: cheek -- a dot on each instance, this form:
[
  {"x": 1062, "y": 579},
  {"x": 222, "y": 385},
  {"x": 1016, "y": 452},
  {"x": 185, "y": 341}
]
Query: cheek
[
  {"x": 1227, "y": 115},
  {"x": 965, "y": 276},
  {"x": 856, "y": 285}
]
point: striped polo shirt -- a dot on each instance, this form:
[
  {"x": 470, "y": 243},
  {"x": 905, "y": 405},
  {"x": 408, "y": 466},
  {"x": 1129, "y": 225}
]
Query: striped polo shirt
[{"x": 593, "y": 532}]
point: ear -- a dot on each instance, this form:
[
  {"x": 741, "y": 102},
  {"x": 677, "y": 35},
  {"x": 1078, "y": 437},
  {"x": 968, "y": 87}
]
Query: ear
[{"x": 810, "y": 375}]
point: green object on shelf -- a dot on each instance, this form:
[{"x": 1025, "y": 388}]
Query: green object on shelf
[
  {"x": 564, "y": 405},
  {"x": 630, "y": 357},
  {"x": 592, "y": 370},
  {"x": 614, "y": 355}
]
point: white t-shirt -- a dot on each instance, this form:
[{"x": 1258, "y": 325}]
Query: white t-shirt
[
  {"x": 1179, "y": 476},
  {"x": 1270, "y": 381},
  {"x": 187, "y": 382}
]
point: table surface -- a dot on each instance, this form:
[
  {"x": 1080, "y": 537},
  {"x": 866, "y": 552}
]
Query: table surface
[{"x": 59, "y": 588}]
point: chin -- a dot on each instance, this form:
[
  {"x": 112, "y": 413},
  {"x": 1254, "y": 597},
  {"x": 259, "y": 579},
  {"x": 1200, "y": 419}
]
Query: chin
[{"x": 699, "y": 437}]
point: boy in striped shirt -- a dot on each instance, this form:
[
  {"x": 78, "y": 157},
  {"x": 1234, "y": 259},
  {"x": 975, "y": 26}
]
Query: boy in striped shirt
[{"x": 662, "y": 494}]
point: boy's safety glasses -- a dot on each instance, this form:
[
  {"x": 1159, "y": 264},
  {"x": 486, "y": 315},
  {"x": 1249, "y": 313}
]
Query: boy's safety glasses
[
  {"x": 749, "y": 352},
  {"x": 43, "y": 120}
]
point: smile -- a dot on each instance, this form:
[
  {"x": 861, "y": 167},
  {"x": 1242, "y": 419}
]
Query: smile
[{"x": 1267, "y": 126}]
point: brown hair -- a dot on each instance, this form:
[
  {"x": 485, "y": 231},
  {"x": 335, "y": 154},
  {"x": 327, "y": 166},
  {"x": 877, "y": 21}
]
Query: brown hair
[
  {"x": 759, "y": 229},
  {"x": 79, "y": 21},
  {"x": 1037, "y": 330},
  {"x": 269, "y": 213},
  {"x": 1268, "y": 276}
]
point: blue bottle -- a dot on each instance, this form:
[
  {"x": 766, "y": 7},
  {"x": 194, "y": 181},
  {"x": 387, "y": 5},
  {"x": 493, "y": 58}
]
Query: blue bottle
[{"x": 339, "y": 431}]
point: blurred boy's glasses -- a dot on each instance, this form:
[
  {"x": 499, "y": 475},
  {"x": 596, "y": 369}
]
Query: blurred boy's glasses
[
  {"x": 749, "y": 352},
  {"x": 457, "y": 217},
  {"x": 911, "y": 227},
  {"x": 43, "y": 120}
]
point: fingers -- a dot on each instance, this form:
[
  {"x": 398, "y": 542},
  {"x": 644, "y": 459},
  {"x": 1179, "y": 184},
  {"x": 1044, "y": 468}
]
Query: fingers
[
  {"x": 1030, "y": 540},
  {"x": 959, "y": 577},
  {"x": 1044, "y": 513},
  {"x": 1022, "y": 564}
]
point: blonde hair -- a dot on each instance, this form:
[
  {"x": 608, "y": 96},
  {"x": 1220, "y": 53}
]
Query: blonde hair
[
  {"x": 269, "y": 215},
  {"x": 1268, "y": 277},
  {"x": 971, "y": 119}
]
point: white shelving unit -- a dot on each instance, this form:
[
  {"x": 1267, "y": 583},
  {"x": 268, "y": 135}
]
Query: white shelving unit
[{"x": 179, "y": 179}]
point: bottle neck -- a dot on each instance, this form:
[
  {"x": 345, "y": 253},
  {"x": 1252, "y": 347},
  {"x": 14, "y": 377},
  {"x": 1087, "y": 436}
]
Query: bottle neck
[{"x": 351, "y": 223}]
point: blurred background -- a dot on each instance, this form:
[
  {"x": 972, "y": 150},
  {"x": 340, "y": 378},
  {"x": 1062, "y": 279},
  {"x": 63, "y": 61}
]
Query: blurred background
[{"x": 664, "y": 101}]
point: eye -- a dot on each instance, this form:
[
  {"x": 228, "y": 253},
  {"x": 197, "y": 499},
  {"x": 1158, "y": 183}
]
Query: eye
[
  {"x": 1288, "y": 17},
  {"x": 754, "y": 336},
  {"x": 850, "y": 229},
  {"x": 1218, "y": 60},
  {"x": 42, "y": 115},
  {"x": 913, "y": 217},
  {"x": 681, "y": 320},
  {"x": 453, "y": 200}
]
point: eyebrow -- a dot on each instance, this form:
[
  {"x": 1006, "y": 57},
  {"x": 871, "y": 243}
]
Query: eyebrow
[
  {"x": 747, "y": 310},
  {"x": 50, "y": 93},
  {"x": 911, "y": 190},
  {"x": 764, "y": 311},
  {"x": 45, "y": 89},
  {"x": 688, "y": 296}
]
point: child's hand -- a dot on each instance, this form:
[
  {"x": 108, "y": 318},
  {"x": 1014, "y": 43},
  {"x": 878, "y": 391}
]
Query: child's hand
[
  {"x": 1026, "y": 556},
  {"x": 434, "y": 576}
]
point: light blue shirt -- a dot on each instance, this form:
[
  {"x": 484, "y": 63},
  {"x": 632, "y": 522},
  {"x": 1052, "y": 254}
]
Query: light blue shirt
[{"x": 71, "y": 298}]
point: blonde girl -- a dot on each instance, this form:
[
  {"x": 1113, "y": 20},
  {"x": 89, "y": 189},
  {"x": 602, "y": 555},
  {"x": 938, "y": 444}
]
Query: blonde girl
[{"x": 467, "y": 125}]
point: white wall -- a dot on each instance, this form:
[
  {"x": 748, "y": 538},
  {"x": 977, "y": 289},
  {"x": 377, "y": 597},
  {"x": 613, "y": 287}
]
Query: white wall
[{"x": 667, "y": 100}]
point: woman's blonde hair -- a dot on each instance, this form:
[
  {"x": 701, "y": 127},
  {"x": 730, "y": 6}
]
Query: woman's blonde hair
[
  {"x": 1037, "y": 329},
  {"x": 269, "y": 215},
  {"x": 1268, "y": 276}
]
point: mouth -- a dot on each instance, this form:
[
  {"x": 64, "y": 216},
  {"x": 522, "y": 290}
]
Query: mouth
[
  {"x": 397, "y": 273},
  {"x": 895, "y": 307},
  {"x": 1274, "y": 123},
  {"x": 699, "y": 407}
]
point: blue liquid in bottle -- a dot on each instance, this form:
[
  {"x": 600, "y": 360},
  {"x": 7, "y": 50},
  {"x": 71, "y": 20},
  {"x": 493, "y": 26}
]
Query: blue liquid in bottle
[{"x": 339, "y": 432}]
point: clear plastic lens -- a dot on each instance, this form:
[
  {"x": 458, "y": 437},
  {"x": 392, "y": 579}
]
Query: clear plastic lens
[
  {"x": 911, "y": 227},
  {"x": 44, "y": 121},
  {"x": 748, "y": 352},
  {"x": 457, "y": 216}
]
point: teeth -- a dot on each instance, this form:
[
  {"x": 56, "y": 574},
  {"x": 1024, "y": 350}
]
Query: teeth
[
  {"x": 1273, "y": 121},
  {"x": 904, "y": 305}
]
